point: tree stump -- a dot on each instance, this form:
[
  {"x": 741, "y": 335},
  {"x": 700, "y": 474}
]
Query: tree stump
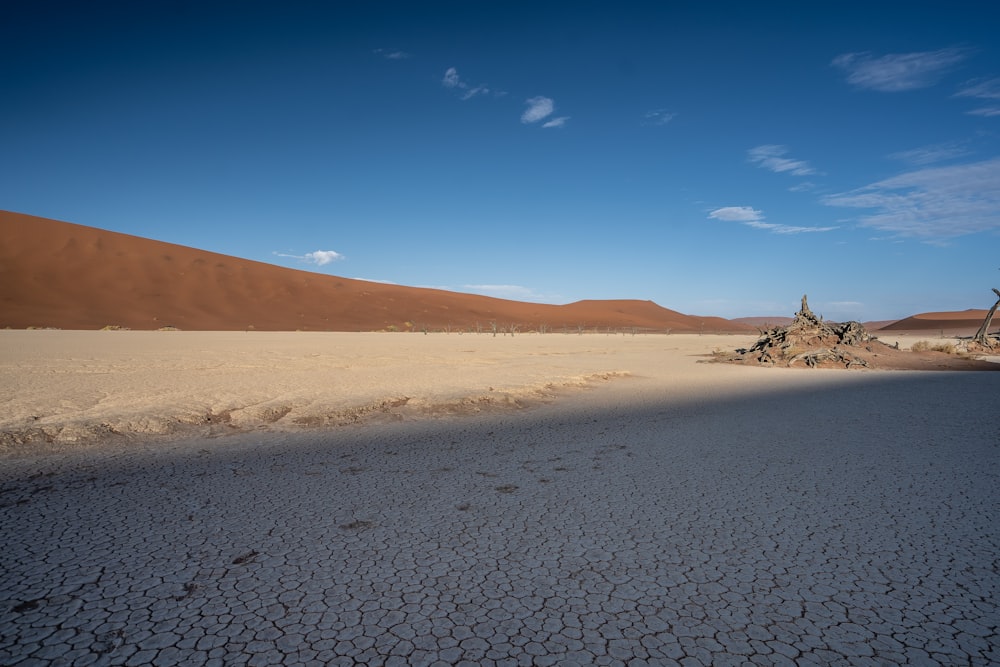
[{"x": 809, "y": 340}]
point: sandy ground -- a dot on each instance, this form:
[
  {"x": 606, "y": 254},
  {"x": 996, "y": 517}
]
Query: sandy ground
[
  {"x": 62, "y": 388},
  {"x": 78, "y": 386},
  {"x": 683, "y": 514}
]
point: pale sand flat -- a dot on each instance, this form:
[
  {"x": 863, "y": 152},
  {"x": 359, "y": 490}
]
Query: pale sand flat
[
  {"x": 76, "y": 386},
  {"x": 91, "y": 387}
]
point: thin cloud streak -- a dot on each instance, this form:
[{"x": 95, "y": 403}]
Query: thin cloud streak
[
  {"x": 804, "y": 186},
  {"x": 933, "y": 204},
  {"x": 897, "y": 72},
  {"x": 982, "y": 90},
  {"x": 472, "y": 92},
  {"x": 771, "y": 157},
  {"x": 657, "y": 117},
  {"x": 557, "y": 122},
  {"x": 736, "y": 214},
  {"x": 751, "y": 217},
  {"x": 926, "y": 155}
]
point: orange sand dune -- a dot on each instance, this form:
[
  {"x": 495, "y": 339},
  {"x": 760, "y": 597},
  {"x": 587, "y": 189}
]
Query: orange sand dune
[
  {"x": 963, "y": 322},
  {"x": 67, "y": 276}
]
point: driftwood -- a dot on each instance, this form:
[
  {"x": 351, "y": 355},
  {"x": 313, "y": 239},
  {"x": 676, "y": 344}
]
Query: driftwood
[
  {"x": 809, "y": 340},
  {"x": 982, "y": 336}
]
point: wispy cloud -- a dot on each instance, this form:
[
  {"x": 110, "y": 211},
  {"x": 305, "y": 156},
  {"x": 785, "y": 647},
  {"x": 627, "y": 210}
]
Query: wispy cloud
[
  {"x": 452, "y": 80},
  {"x": 986, "y": 90},
  {"x": 538, "y": 108},
  {"x": 751, "y": 217},
  {"x": 476, "y": 90},
  {"x": 392, "y": 55},
  {"x": 925, "y": 155},
  {"x": 736, "y": 214},
  {"x": 772, "y": 157},
  {"x": 657, "y": 117},
  {"x": 896, "y": 72},
  {"x": 318, "y": 257},
  {"x": 983, "y": 90},
  {"x": 556, "y": 122},
  {"x": 933, "y": 204}
]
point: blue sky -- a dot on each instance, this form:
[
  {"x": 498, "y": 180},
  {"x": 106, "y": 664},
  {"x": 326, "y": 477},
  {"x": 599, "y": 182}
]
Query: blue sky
[{"x": 716, "y": 158}]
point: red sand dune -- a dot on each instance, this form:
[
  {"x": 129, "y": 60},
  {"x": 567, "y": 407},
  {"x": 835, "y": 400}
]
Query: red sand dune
[
  {"x": 67, "y": 276},
  {"x": 965, "y": 322}
]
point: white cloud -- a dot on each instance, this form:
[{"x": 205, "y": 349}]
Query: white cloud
[
  {"x": 322, "y": 257},
  {"x": 538, "y": 108},
  {"x": 770, "y": 156},
  {"x": 804, "y": 186},
  {"x": 451, "y": 79},
  {"x": 931, "y": 204},
  {"x": 657, "y": 117},
  {"x": 897, "y": 72},
  {"x": 751, "y": 217},
  {"x": 317, "y": 257},
  {"x": 556, "y": 122},
  {"x": 736, "y": 214},
  {"x": 930, "y": 154}
]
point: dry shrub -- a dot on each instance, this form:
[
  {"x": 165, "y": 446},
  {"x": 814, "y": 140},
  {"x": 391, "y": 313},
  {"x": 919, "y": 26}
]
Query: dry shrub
[{"x": 925, "y": 345}]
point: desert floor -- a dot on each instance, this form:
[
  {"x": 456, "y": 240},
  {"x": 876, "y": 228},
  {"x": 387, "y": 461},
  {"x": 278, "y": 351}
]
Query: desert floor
[
  {"x": 251, "y": 498},
  {"x": 81, "y": 386}
]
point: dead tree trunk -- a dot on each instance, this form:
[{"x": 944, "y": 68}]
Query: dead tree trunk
[{"x": 984, "y": 330}]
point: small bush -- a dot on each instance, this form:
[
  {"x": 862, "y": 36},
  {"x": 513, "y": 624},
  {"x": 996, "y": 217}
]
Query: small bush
[{"x": 926, "y": 345}]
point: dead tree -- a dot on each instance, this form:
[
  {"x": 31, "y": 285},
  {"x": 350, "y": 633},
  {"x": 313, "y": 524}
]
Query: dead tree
[
  {"x": 984, "y": 330},
  {"x": 810, "y": 340}
]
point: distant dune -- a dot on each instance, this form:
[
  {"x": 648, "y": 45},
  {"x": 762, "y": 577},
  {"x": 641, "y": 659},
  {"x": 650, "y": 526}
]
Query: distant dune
[
  {"x": 962, "y": 323},
  {"x": 67, "y": 276}
]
